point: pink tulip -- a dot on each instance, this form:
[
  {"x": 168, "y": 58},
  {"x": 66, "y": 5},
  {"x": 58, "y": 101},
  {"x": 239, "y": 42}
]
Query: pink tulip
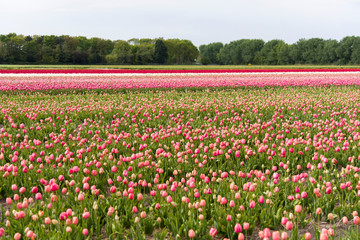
[
  {"x": 86, "y": 215},
  {"x": 284, "y": 235},
  {"x": 81, "y": 197},
  {"x": 267, "y": 233},
  {"x": 241, "y": 236},
  {"x": 323, "y": 236},
  {"x": 223, "y": 201},
  {"x": 47, "y": 220},
  {"x": 318, "y": 211},
  {"x": 213, "y": 232},
  {"x": 191, "y": 233},
  {"x": 246, "y": 226},
  {"x": 29, "y": 234},
  {"x": 276, "y": 235},
  {"x": 237, "y": 228},
  {"x": 356, "y": 220},
  {"x": 17, "y": 236},
  {"x": 134, "y": 209},
  {"x": 289, "y": 225},
  {"x": 85, "y": 231}
]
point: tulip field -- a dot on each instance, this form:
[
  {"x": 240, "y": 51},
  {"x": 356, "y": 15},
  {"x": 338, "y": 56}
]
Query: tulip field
[{"x": 180, "y": 154}]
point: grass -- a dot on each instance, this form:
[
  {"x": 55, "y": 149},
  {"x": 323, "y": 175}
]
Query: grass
[{"x": 6, "y": 66}]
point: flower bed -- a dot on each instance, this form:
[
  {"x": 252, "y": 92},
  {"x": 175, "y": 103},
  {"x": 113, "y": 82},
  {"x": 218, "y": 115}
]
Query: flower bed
[{"x": 274, "y": 157}]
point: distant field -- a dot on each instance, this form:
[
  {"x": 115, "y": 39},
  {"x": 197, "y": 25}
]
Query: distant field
[{"x": 173, "y": 66}]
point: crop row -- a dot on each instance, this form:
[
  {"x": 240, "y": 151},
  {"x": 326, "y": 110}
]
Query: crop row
[
  {"x": 34, "y": 82},
  {"x": 154, "y": 71}
]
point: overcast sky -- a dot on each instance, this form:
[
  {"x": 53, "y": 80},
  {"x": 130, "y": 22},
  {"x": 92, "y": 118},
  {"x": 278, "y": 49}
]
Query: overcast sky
[{"x": 201, "y": 21}]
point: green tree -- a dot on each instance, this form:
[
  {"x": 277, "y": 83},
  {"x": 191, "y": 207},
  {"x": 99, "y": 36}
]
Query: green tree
[
  {"x": 307, "y": 51},
  {"x": 181, "y": 51},
  {"x": 98, "y": 50},
  {"x": 345, "y": 49},
  {"x": 209, "y": 53},
  {"x": 328, "y": 54},
  {"x": 355, "y": 55},
  {"x": 3, "y": 52},
  {"x": 250, "y": 49},
  {"x": 68, "y": 48},
  {"x": 284, "y": 55},
  {"x": 31, "y": 51},
  {"x": 143, "y": 53},
  {"x": 13, "y": 44},
  {"x": 270, "y": 53},
  {"x": 244, "y": 51},
  {"x": 160, "y": 53},
  {"x": 121, "y": 53}
]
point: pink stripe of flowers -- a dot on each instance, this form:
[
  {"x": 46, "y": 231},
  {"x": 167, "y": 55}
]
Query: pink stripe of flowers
[
  {"x": 147, "y": 71},
  {"x": 47, "y": 82}
]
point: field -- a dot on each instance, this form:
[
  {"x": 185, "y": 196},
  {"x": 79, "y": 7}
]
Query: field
[
  {"x": 185, "y": 67},
  {"x": 180, "y": 155}
]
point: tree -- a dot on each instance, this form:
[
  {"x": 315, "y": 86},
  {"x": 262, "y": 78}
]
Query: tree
[
  {"x": 3, "y": 52},
  {"x": 355, "y": 55},
  {"x": 209, "y": 53},
  {"x": 31, "y": 51},
  {"x": 284, "y": 55},
  {"x": 121, "y": 53},
  {"x": 250, "y": 49},
  {"x": 181, "y": 51},
  {"x": 160, "y": 52},
  {"x": 242, "y": 51},
  {"x": 345, "y": 49},
  {"x": 143, "y": 53},
  {"x": 328, "y": 54},
  {"x": 98, "y": 50},
  {"x": 224, "y": 55},
  {"x": 271, "y": 51},
  {"x": 12, "y": 48}
]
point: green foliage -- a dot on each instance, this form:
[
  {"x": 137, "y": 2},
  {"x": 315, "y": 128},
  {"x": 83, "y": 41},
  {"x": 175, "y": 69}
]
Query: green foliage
[
  {"x": 161, "y": 52},
  {"x": 181, "y": 51},
  {"x": 51, "y": 49},
  {"x": 209, "y": 53},
  {"x": 64, "y": 49},
  {"x": 270, "y": 53},
  {"x": 121, "y": 54},
  {"x": 244, "y": 51}
]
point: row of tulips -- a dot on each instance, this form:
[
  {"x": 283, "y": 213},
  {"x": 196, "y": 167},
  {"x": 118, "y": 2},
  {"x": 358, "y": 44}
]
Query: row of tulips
[
  {"x": 34, "y": 82},
  {"x": 231, "y": 163},
  {"x": 170, "y": 71}
]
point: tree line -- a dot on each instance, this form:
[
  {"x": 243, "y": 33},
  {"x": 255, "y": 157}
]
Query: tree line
[
  {"x": 276, "y": 52},
  {"x": 64, "y": 49}
]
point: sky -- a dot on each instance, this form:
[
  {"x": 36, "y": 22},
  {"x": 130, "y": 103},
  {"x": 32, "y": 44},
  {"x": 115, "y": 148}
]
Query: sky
[{"x": 201, "y": 21}]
